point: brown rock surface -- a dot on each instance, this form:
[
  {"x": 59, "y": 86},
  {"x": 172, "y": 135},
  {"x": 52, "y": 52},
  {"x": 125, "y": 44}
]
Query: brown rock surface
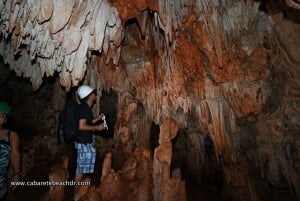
[{"x": 222, "y": 74}]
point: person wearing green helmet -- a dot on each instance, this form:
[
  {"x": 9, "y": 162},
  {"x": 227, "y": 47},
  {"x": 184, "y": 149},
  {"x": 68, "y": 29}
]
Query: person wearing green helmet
[{"x": 9, "y": 150}]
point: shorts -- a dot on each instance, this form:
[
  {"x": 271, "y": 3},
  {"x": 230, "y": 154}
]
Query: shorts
[{"x": 86, "y": 157}]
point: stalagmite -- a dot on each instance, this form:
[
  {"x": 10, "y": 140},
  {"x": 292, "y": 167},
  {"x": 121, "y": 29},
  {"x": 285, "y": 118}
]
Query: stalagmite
[
  {"x": 143, "y": 174},
  {"x": 111, "y": 186},
  {"x": 162, "y": 160},
  {"x": 82, "y": 191},
  {"x": 106, "y": 165},
  {"x": 58, "y": 174}
]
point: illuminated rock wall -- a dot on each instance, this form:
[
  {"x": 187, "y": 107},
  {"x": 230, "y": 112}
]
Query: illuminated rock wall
[{"x": 220, "y": 70}]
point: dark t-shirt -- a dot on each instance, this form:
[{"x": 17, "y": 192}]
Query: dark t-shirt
[{"x": 84, "y": 112}]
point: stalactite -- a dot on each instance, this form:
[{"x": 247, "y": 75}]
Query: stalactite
[
  {"x": 293, "y": 4},
  {"x": 65, "y": 79},
  {"x": 123, "y": 137},
  {"x": 72, "y": 42},
  {"x": 100, "y": 25},
  {"x": 254, "y": 97},
  {"x": 80, "y": 59},
  {"x": 253, "y": 22},
  {"x": 141, "y": 128},
  {"x": 222, "y": 142},
  {"x": 232, "y": 121},
  {"x": 165, "y": 18},
  {"x": 215, "y": 33},
  {"x": 46, "y": 7},
  {"x": 62, "y": 12},
  {"x": 80, "y": 11},
  {"x": 43, "y": 33},
  {"x": 142, "y": 20},
  {"x": 196, "y": 156},
  {"x": 13, "y": 17}
]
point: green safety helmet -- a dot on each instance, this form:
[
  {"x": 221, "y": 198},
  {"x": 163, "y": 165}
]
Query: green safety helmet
[{"x": 5, "y": 108}]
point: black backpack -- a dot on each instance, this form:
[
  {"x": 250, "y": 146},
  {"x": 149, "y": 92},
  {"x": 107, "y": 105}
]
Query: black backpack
[{"x": 68, "y": 124}]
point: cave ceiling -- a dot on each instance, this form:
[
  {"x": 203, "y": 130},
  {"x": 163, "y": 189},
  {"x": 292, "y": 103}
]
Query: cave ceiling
[{"x": 44, "y": 37}]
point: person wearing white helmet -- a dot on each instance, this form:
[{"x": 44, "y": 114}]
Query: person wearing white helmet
[
  {"x": 9, "y": 150},
  {"x": 86, "y": 153}
]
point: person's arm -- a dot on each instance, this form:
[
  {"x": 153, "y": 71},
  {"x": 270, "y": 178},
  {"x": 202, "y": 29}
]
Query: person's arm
[
  {"x": 15, "y": 153},
  {"x": 15, "y": 157},
  {"x": 84, "y": 126},
  {"x": 98, "y": 118}
]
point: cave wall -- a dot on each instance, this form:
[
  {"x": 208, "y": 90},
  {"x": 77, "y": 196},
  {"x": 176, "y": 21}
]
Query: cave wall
[
  {"x": 227, "y": 71},
  {"x": 33, "y": 111}
]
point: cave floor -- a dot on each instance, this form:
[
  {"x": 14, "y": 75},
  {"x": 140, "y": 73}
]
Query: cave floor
[
  {"x": 39, "y": 172},
  {"x": 44, "y": 160}
]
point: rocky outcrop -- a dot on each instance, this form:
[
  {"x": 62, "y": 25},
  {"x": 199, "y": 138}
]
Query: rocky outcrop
[{"x": 223, "y": 73}]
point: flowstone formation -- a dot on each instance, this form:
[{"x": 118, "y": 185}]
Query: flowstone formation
[{"x": 222, "y": 74}]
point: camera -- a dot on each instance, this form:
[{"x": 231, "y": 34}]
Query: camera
[{"x": 104, "y": 122}]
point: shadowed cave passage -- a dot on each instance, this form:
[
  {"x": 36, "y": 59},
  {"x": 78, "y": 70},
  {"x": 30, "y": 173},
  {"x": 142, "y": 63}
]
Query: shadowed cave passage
[
  {"x": 210, "y": 178},
  {"x": 208, "y": 185},
  {"x": 154, "y": 137},
  {"x": 108, "y": 107},
  {"x": 104, "y": 139}
]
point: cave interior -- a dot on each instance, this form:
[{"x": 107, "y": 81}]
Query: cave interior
[{"x": 202, "y": 98}]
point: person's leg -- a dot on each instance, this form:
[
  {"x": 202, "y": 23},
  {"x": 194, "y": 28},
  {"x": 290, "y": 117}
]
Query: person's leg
[
  {"x": 78, "y": 171},
  {"x": 92, "y": 159},
  {"x": 86, "y": 157}
]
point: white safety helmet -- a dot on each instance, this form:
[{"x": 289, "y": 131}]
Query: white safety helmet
[{"x": 84, "y": 90}]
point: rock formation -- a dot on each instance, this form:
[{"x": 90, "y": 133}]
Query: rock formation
[{"x": 223, "y": 74}]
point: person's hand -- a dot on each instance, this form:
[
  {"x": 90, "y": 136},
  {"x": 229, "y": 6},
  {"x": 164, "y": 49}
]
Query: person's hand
[
  {"x": 99, "y": 127},
  {"x": 15, "y": 178},
  {"x": 100, "y": 117}
]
